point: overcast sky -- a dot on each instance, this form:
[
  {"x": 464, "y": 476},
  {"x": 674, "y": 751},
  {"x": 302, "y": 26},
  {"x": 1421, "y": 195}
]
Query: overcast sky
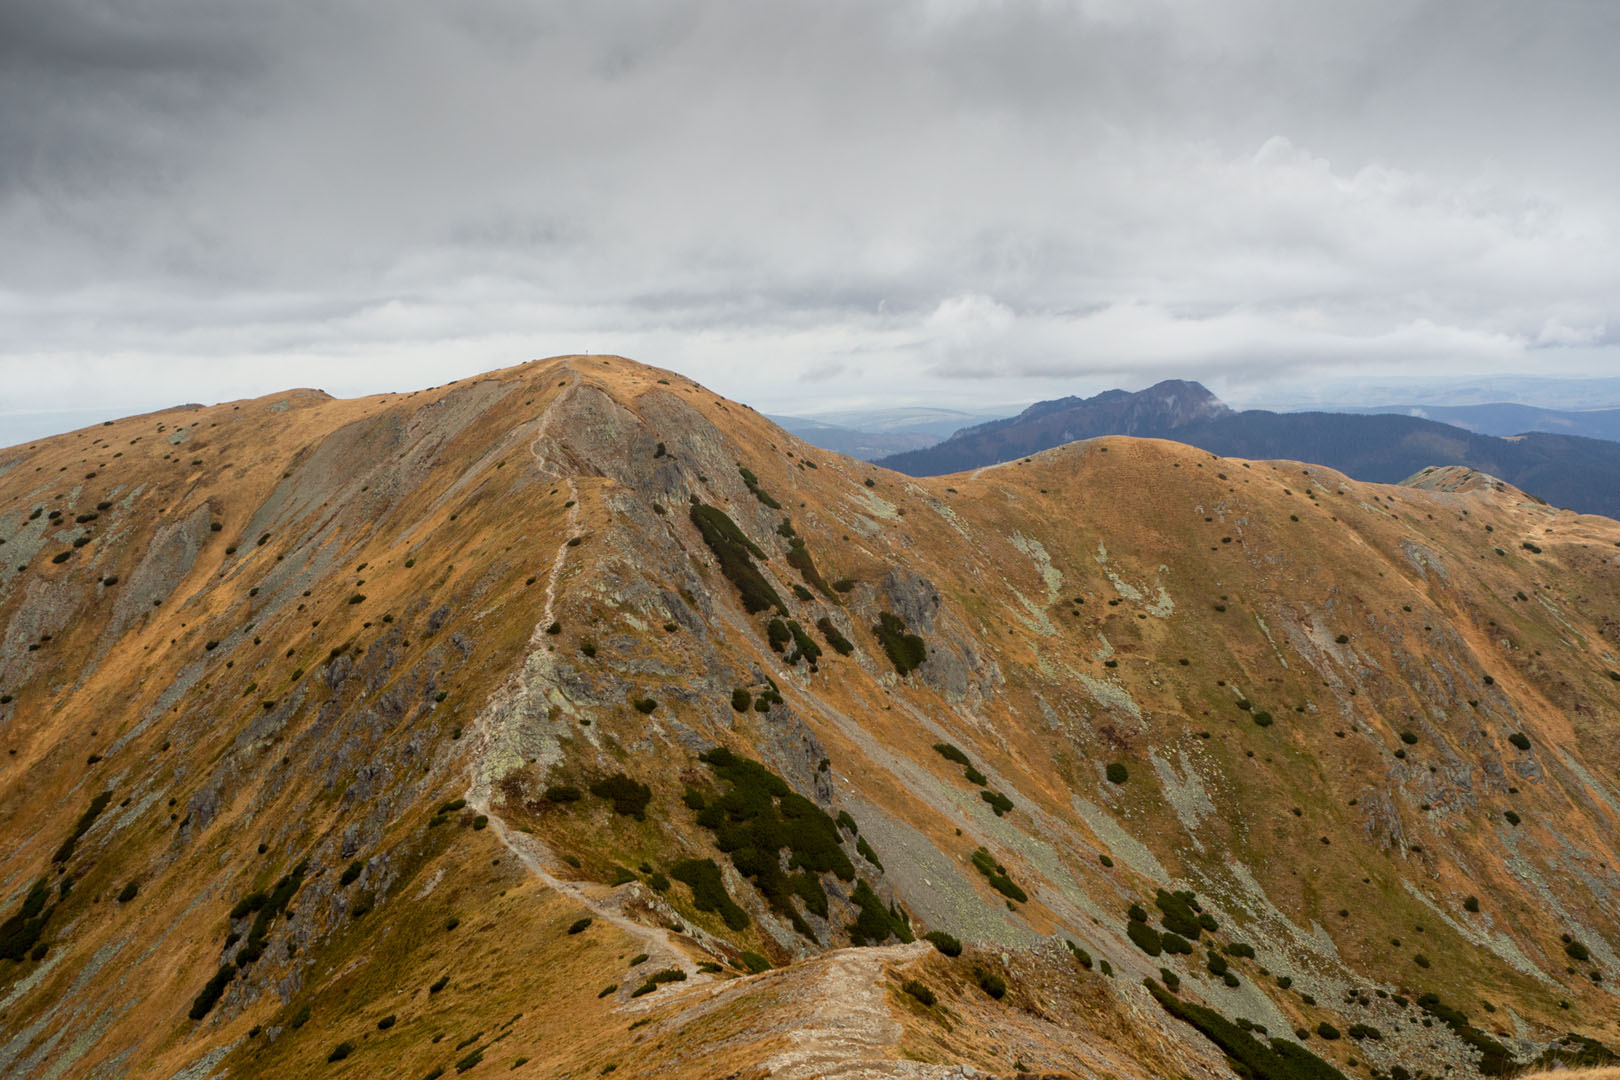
[{"x": 804, "y": 205}]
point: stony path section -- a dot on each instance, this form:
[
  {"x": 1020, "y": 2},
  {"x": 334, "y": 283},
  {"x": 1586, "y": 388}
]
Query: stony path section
[{"x": 847, "y": 1028}]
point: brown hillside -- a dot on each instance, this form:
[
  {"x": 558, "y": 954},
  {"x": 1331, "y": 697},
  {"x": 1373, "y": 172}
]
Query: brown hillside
[{"x": 405, "y": 709}]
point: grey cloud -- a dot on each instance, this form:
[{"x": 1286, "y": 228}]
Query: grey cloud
[{"x": 919, "y": 195}]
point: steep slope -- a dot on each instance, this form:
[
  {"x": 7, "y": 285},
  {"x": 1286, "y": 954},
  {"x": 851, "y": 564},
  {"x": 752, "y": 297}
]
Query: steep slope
[
  {"x": 1564, "y": 469},
  {"x": 572, "y": 717}
]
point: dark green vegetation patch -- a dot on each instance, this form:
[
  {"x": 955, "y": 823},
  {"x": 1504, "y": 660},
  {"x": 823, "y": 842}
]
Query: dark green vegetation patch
[
  {"x": 840, "y": 644},
  {"x": 265, "y": 908},
  {"x": 759, "y": 493},
  {"x": 760, "y": 816},
  {"x": 629, "y": 797},
  {"x": 709, "y": 890},
  {"x": 1494, "y": 1060},
  {"x": 874, "y": 923},
  {"x": 905, "y": 651},
  {"x": 997, "y": 876},
  {"x": 82, "y": 826},
  {"x": 20, "y": 932},
  {"x": 1282, "y": 1060},
  {"x": 736, "y": 554}
]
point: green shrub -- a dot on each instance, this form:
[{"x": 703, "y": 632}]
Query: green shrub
[
  {"x": 1327, "y": 1030},
  {"x": 622, "y": 876},
  {"x": 776, "y": 632},
  {"x": 998, "y": 802},
  {"x": 755, "y": 963},
  {"x": 469, "y": 1061},
  {"x": 798, "y": 557},
  {"x": 442, "y": 982},
  {"x": 1116, "y": 773},
  {"x": 759, "y": 493},
  {"x": 917, "y": 990},
  {"x": 351, "y": 873},
  {"x": 757, "y": 818},
  {"x": 866, "y": 852},
  {"x": 127, "y": 893},
  {"x": 1262, "y": 718},
  {"x": 905, "y": 651},
  {"x": 387, "y": 1022},
  {"x": 1174, "y": 944},
  {"x": 211, "y": 991},
  {"x": 452, "y": 806},
  {"x": 1282, "y": 1060},
  {"x": 1079, "y": 954},
  {"x": 299, "y": 1018},
  {"x": 629, "y": 797},
  {"x": 804, "y": 647},
  {"x": 657, "y": 979},
  {"x": 266, "y": 907},
  {"x": 580, "y": 925},
  {"x": 1172, "y": 981},
  {"x": 945, "y": 943},
  {"x": 82, "y": 826},
  {"x": 562, "y": 793},
  {"x": 1520, "y": 739},
  {"x": 1216, "y": 963},
  {"x": 844, "y": 585},
  {"x": 997, "y": 876},
  {"x": 250, "y": 903},
  {"x": 1144, "y": 937},
  {"x": 840, "y": 644},
  {"x": 1180, "y": 912},
  {"x": 975, "y": 777},
  {"x": 340, "y": 1051},
  {"x": 1512, "y": 818},
  {"x": 1578, "y": 952},
  {"x": 951, "y": 753},
  {"x": 1471, "y": 903},
  {"x": 732, "y": 550},
  {"x": 657, "y": 881},
  {"x": 21, "y": 932},
  {"x": 645, "y": 705},
  {"x": 874, "y": 923},
  {"x": 990, "y": 983},
  {"x": 741, "y": 700},
  {"x": 1364, "y": 1031},
  {"x": 606, "y": 990},
  {"x": 1238, "y": 948},
  {"x": 1495, "y": 1060},
  {"x": 709, "y": 890}
]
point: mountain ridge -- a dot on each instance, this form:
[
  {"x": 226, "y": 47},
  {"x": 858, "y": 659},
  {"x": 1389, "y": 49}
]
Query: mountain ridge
[
  {"x": 502, "y": 592},
  {"x": 1567, "y": 470}
]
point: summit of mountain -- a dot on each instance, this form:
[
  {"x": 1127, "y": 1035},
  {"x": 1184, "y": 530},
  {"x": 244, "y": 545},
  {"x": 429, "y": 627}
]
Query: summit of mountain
[{"x": 573, "y": 720}]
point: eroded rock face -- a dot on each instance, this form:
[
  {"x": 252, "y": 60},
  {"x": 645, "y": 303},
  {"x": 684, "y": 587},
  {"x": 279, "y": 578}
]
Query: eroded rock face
[
  {"x": 170, "y": 556},
  {"x": 955, "y": 665}
]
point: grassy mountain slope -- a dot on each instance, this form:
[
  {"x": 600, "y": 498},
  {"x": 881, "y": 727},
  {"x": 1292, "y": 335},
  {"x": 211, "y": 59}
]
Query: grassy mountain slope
[
  {"x": 1564, "y": 469},
  {"x": 436, "y": 732}
]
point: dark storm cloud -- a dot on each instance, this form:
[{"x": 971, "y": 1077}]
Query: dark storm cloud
[{"x": 203, "y": 199}]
